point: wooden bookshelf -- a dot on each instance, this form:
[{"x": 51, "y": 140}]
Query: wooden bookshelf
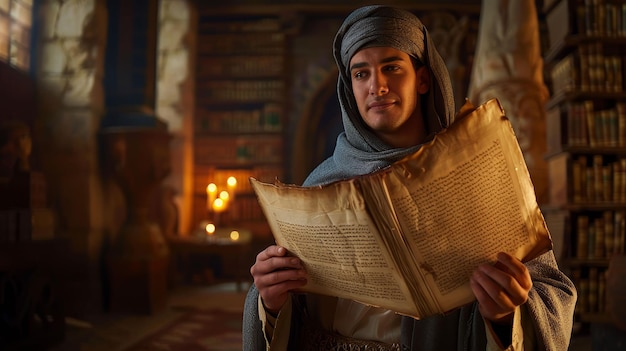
[
  {"x": 586, "y": 131},
  {"x": 239, "y": 122}
]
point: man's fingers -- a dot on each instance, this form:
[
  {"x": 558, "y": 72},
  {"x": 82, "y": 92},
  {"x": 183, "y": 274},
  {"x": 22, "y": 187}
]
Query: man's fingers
[
  {"x": 279, "y": 276},
  {"x": 493, "y": 303},
  {"x": 492, "y": 288},
  {"x": 488, "y": 306},
  {"x": 516, "y": 268},
  {"x": 275, "y": 296},
  {"x": 271, "y": 251},
  {"x": 500, "y": 284},
  {"x": 275, "y": 264},
  {"x": 274, "y": 288},
  {"x": 501, "y": 287}
]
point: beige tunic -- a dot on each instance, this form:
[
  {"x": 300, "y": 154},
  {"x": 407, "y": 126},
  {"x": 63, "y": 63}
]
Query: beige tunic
[{"x": 358, "y": 321}]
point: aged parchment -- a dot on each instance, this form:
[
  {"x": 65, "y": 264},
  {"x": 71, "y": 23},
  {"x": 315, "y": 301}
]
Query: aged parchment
[{"x": 408, "y": 237}]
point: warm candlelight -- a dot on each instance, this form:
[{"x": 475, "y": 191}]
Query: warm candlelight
[
  {"x": 210, "y": 229},
  {"x": 234, "y": 235},
  {"x": 231, "y": 183},
  {"x": 224, "y": 196},
  {"x": 218, "y": 205},
  {"x": 211, "y": 192}
]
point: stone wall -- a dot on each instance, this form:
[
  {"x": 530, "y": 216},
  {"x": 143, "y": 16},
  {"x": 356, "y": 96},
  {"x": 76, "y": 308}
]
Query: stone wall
[
  {"x": 70, "y": 47},
  {"x": 71, "y": 50}
]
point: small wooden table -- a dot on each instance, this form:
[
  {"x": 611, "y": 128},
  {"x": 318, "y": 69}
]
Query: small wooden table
[{"x": 231, "y": 246}]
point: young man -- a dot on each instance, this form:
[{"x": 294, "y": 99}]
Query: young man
[{"x": 395, "y": 94}]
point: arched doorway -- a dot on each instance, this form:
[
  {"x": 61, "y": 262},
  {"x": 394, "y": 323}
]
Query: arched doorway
[{"x": 317, "y": 129}]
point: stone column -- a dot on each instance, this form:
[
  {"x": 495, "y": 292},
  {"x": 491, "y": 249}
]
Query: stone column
[
  {"x": 135, "y": 145},
  {"x": 69, "y": 68},
  {"x": 508, "y": 66},
  {"x": 175, "y": 99}
]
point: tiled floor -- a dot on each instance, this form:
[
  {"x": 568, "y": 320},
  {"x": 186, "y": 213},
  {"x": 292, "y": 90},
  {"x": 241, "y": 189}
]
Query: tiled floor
[{"x": 115, "y": 332}]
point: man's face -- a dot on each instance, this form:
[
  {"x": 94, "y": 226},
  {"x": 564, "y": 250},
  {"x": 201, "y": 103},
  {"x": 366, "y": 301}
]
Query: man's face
[{"x": 386, "y": 89}]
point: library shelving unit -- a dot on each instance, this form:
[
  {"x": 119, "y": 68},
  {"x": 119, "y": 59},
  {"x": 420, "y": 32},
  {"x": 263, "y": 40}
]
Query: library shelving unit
[
  {"x": 239, "y": 122},
  {"x": 586, "y": 131}
]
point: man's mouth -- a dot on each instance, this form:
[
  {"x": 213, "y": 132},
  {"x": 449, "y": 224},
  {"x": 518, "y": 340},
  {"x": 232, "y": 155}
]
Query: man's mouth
[{"x": 381, "y": 105}]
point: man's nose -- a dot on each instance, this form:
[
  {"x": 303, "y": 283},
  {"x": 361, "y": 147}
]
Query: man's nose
[{"x": 378, "y": 85}]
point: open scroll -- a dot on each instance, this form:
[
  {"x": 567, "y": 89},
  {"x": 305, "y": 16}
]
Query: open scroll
[{"x": 408, "y": 237}]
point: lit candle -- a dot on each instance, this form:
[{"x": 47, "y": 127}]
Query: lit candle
[
  {"x": 210, "y": 229},
  {"x": 231, "y": 183},
  {"x": 218, "y": 205},
  {"x": 234, "y": 235},
  {"x": 224, "y": 196},
  {"x": 211, "y": 192}
]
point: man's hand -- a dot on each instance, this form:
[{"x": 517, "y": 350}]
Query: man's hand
[
  {"x": 275, "y": 275},
  {"x": 500, "y": 288}
]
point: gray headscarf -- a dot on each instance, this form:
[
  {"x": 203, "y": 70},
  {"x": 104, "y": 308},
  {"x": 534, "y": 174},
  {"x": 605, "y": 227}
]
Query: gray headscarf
[{"x": 358, "y": 150}]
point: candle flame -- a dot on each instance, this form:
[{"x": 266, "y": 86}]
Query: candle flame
[
  {"x": 211, "y": 188},
  {"x": 218, "y": 204},
  {"x": 210, "y": 229},
  {"x": 224, "y": 195},
  {"x": 234, "y": 235}
]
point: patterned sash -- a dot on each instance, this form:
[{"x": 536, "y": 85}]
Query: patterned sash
[{"x": 317, "y": 339}]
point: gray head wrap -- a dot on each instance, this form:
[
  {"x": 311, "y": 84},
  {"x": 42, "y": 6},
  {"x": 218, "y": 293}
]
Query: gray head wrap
[{"x": 358, "y": 150}]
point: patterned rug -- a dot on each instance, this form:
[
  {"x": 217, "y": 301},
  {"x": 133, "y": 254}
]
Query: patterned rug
[{"x": 196, "y": 330}]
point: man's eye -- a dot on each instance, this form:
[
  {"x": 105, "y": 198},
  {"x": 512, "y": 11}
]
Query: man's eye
[
  {"x": 392, "y": 68},
  {"x": 359, "y": 75}
]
